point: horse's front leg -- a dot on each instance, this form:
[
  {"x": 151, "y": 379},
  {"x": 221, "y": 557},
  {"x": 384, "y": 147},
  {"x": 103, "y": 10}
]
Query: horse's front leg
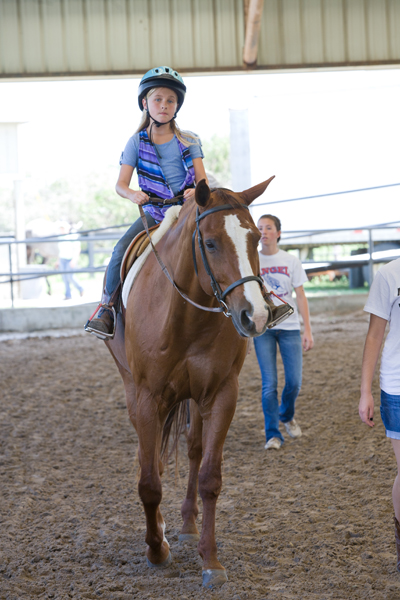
[
  {"x": 216, "y": 421},
  {"x": 149, "y": 424},
  {"x": 190, "y": 509}
]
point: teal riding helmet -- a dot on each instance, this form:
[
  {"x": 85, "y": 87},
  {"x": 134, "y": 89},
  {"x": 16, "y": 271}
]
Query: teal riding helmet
[{"x": 162, "y": 77}]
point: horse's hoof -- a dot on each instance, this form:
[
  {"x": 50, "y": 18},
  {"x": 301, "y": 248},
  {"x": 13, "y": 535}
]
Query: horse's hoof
[
  {"x": 191, "y": 538},
  {"x": 162, "y": 565},
  {"x": 214, "y": 578}
]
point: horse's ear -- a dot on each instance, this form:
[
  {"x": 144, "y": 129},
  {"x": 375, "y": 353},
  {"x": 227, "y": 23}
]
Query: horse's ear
[
  {"x": 202, "y": 194},
  {"x": 251, "y": 194}
]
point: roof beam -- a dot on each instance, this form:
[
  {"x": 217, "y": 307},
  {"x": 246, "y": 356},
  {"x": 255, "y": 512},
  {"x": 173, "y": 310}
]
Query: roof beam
[{"x": 254, "y": 10}]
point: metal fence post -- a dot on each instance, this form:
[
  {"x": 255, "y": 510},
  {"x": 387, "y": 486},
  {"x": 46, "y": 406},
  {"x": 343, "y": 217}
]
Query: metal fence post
[
  {"x": 11, "y": 277},
  {"x": 370, "y": 262},
  {"x": 91, "y": 257}
]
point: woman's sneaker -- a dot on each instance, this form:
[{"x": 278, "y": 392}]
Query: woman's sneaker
[
  {"x": 274, "y": 443},
  {"x": 293, "y": 429}
]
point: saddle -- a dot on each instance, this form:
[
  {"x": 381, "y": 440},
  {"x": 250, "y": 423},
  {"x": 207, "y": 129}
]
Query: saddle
[{"x": 135, "y": 249}]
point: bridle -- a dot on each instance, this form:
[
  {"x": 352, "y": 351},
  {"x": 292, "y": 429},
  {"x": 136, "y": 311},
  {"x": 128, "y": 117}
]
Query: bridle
[{"x": 218, "y": 293}]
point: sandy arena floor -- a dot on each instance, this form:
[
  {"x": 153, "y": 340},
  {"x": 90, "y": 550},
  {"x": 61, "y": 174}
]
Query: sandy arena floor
[{"x": 312, "y": 521}]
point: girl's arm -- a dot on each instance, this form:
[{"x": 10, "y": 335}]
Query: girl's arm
[
  {"x": 122, "y": 186},
  {"x": 199, "y": 174},
  {"x": 372, "y": 348},
  {"x": 302, "y": 303}
]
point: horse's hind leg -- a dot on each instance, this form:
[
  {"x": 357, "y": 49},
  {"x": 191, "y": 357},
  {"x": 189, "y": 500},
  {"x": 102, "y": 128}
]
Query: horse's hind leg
[
  {"x": 190, "y": 509},
  {"x": 149, "y": 425}
]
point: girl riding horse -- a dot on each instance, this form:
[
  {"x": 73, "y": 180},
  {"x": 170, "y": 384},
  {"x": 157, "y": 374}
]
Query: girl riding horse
[{"x": 168, "y": 162}]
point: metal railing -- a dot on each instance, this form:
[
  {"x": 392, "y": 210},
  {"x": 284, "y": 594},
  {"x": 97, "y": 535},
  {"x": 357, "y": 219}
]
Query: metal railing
[
  {"x": 94, "y": 236},
  {"x": 90, "y": 238},
  {"x": 369, "y": 258}
]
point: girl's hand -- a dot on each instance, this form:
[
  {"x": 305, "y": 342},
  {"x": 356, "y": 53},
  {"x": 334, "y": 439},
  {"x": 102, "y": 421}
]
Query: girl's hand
[
  {"x": 366, "y": 408},
  {"x": 138, "y": 197},
  {"x": 307, "y": 341},
  {"x": 189, "y": 193}
]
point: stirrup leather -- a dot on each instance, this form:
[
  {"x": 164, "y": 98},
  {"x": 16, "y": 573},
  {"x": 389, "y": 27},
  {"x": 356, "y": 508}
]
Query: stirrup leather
[{"x": 102, "y": 335}]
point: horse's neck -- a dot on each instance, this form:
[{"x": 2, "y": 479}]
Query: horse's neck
[{"x": 182, "y": 264}]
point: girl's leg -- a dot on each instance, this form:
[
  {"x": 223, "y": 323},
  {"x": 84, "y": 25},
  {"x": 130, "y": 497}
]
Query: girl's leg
[
  {"x": 396, "y": 484},
  {"x": 396, "y": 500},
  {"x": 114, "y": 266},
  {"x": 103, "y": 322},
  {"x": 390, "y": 413},
  {"x": 265, "y": 347},
  {"x": 64, "y": 262},
  {"x": 292, "y": 358}
]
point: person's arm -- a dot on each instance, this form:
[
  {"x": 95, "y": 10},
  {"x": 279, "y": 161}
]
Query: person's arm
[
  {"x": 122, "y": 186},
  {"x": 199, "y": 174},
  {"x": 372, "y": 347},
  {"x": 302, "y": 303}
]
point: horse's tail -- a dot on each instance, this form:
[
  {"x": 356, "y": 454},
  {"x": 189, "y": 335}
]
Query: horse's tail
[{"x": 175, "y": 424}]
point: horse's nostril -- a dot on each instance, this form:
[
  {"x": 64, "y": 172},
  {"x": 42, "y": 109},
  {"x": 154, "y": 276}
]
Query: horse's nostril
[{"x": 245, "y": 320}]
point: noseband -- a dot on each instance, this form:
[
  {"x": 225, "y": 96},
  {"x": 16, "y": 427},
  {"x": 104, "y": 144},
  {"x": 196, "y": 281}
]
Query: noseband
[{"x": 218, "y": 293}]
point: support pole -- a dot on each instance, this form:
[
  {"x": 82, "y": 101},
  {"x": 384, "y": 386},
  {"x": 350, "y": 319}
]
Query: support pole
[
  {"x": 19, "y": 216},
  {"x": 240, "y": 149},
  {"x": 253, "y": 26}
]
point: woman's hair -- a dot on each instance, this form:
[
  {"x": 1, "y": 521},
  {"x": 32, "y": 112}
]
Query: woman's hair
[
  {"x": 186, "y": 137},
  {"x": 275, "y": 220}
]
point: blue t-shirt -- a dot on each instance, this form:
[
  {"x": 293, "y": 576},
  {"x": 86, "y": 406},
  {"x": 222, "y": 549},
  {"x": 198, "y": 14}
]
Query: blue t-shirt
[{"x": 169, "y": 157}]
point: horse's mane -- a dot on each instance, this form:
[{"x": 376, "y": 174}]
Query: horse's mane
[{"x": 226, "y": 196}]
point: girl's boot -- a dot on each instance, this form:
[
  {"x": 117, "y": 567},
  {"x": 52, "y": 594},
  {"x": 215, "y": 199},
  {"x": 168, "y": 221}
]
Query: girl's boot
[
  {"x": 397, "y": 536},
  {"x": 103, "y": 325}
]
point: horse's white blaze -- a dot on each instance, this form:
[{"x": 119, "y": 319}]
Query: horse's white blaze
[{"x": 252, "y": 292}]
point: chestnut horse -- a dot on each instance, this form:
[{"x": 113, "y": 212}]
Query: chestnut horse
[{"x": 171, "y": 351}]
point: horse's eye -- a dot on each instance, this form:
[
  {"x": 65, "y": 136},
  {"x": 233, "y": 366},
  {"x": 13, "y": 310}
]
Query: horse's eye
[{"x": 210, "y": 245}]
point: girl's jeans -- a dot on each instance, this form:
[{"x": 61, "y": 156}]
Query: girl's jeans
[
  {"x": 291, "y": 352},
  {"x": 114, "y": 266}
]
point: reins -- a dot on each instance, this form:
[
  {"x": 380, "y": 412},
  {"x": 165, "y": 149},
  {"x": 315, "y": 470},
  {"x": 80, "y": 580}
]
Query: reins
[
  {"x": 165, "y": 270},
  {"x": 218, "y": 293}
]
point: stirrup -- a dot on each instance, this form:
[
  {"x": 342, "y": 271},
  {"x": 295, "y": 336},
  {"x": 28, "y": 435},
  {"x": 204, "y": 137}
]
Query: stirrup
[
  {"x": 102, "y": 335},
  {"x": 283, "y": 317}
]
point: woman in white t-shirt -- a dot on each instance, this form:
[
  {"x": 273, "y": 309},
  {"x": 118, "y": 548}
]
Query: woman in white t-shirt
[
  {"x": 282, "y": 272},
  {"x": 383, "y": 304}
]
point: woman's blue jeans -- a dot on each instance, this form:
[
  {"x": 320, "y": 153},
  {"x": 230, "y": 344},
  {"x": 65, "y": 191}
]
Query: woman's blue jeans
[
  {"x": 289, "y": 343},
  {"x": 114, "y": 266}
]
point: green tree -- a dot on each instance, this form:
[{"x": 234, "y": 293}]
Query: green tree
[
  {"x": 90, "y": 199},
  {"x": 217, "y": 159}
]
